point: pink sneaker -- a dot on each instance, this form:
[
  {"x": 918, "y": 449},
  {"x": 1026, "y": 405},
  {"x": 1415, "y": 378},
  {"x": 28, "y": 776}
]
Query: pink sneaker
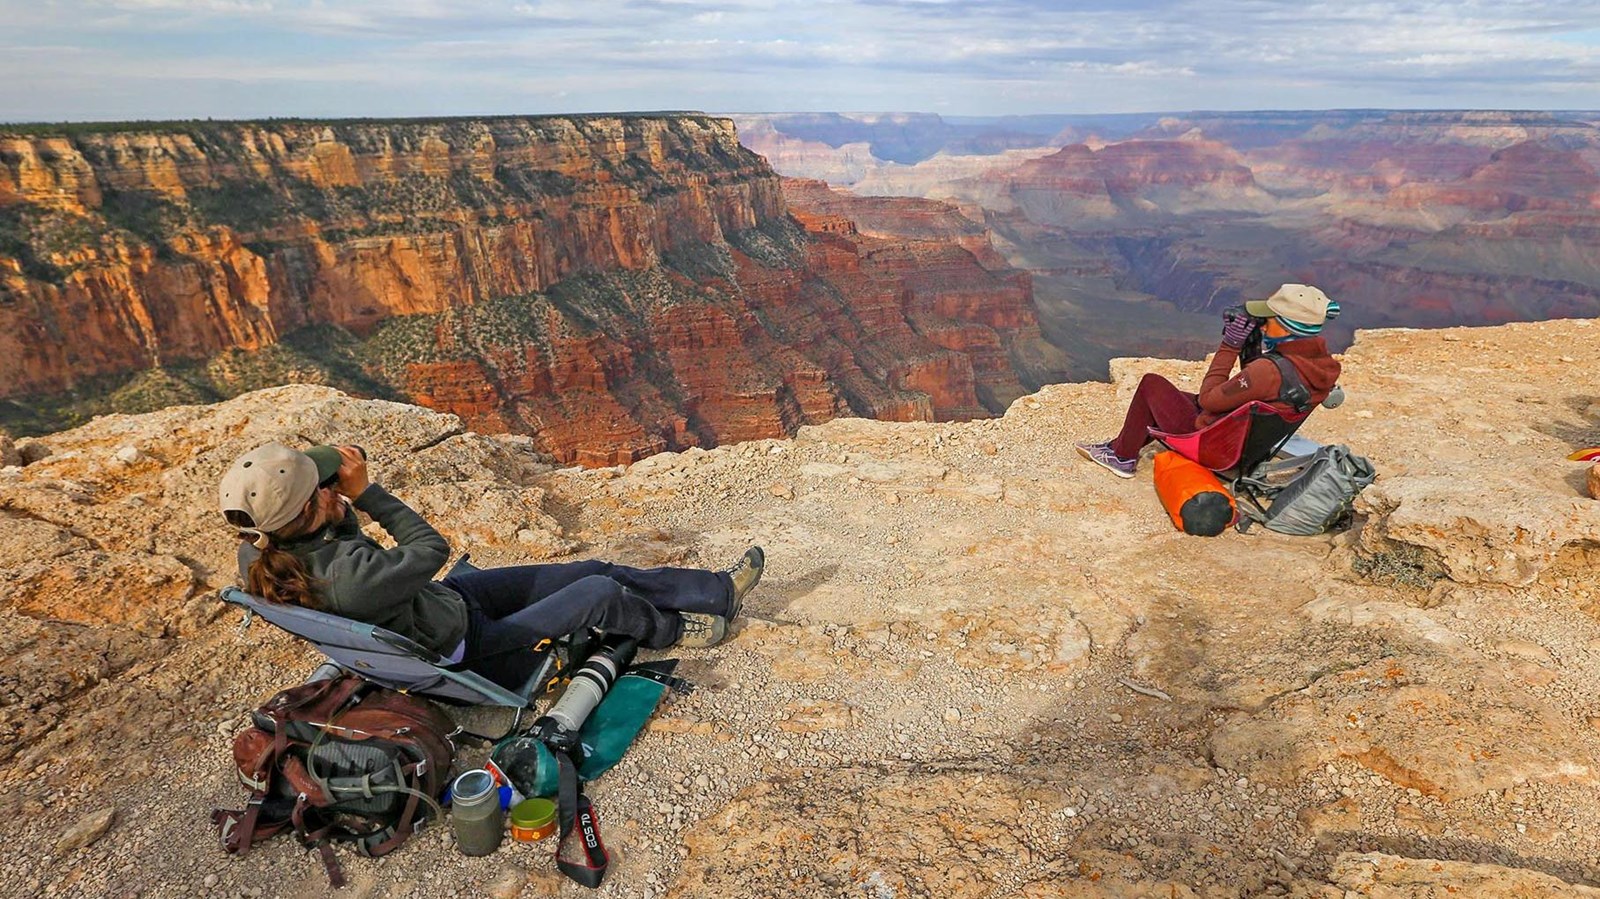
[{"x": 1101, "y": 455}]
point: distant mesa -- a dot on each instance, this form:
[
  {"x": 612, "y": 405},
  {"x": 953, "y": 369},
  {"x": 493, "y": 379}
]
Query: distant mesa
[{"x": 1418, "y": 219}]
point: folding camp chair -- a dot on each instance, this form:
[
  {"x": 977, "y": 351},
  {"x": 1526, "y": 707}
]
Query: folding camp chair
[
  {"x": 1234, "y": 445},
  {"x": 397, "y": 662}
]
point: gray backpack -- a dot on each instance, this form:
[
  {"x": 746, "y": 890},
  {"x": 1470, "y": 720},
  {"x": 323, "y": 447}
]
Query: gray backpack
[{"x": 1303, "y": 495}]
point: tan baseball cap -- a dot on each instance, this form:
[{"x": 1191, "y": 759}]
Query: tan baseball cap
[
  {"x": 1300, "y": 303},
  {"x": 268, "y": 487}
]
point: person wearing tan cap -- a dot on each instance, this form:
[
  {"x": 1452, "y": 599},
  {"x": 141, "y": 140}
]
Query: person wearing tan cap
[
  {"x": 300, "y": 543},
  {"x": 1289, "y": 324}
]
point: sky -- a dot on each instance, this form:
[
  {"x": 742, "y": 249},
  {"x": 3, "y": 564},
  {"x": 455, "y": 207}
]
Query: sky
[{"x": 162, "y": 59}]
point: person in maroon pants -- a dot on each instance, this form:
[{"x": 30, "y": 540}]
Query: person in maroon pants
[{"x": 1291, "y": 324}]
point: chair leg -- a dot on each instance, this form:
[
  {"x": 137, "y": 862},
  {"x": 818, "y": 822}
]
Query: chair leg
[
  {"x": 328, "y": 670},
  {"x": 488, "y": 739}
]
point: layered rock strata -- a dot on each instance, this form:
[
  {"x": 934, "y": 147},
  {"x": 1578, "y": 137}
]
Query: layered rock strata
[
  {"x": 1416, "y": 219},
  {"x": 612, "y": 286},
  {"x": 152, "y": 246}
]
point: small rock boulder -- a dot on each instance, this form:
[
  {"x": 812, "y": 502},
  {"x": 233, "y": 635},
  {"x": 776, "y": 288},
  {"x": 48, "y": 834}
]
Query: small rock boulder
[
  {"x": 31, "y": 451},
  {"x": 86, "y": 831}
]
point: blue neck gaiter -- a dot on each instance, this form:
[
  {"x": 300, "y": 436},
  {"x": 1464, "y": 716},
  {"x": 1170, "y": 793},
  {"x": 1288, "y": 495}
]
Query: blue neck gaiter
[{"x": 1296, "y": 331}]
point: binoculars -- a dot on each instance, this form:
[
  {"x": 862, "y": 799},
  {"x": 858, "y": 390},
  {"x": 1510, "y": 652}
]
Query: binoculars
[
  {"x": 1237, "y": 313},
  {"x": 332, "y": 479}
]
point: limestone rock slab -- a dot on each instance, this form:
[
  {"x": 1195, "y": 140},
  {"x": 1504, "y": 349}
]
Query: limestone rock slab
[
  {"x": 1421, "y": 721},
  {"x": 1382, "y": 876}
]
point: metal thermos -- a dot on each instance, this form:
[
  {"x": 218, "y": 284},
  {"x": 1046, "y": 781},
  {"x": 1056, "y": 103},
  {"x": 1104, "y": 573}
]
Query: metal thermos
[{"x": 475, "y": 813}]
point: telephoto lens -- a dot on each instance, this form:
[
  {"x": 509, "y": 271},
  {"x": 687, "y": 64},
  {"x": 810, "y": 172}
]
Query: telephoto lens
[{"x": 559, "y": 727}]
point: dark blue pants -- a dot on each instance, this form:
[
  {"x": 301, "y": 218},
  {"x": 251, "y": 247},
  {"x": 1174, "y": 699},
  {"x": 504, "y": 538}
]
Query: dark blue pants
[{"x": 518, "y": 606}]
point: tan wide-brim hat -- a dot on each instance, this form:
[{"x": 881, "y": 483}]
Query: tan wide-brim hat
[
  {"x": 271, "y": 484},
  {"x": 1300, "y": 303}
]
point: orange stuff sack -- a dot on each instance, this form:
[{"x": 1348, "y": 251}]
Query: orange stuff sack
[{"x": 1193, "y": 496}]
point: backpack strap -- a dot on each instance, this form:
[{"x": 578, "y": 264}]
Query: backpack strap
[
  {"x": 238, "y": 830},
  {"x": 330, "y": 863},
  {"x": 1292, "y": 389},
  {"x": 401, "y": 831},
  {"x": 412, "y": 786},
  {"x": 318, "y": 839},
  {"x": 237, "y": 827},
  {"x": 1247, "y": 502},
  {"x": 1253, "y": 488}
]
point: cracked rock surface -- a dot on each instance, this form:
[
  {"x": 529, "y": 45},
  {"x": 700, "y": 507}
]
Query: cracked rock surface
[{"x": 930, "y": 694}]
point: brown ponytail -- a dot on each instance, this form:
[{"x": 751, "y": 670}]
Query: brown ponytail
[{"x": 277, "y": 575}]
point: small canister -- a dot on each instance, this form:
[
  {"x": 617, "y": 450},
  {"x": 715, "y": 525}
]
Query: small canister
[
  {"x": 475, "y": 814},
  {"x": 533, "y": 819}
]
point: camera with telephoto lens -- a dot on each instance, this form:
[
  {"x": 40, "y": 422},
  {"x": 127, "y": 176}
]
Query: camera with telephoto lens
[{"x": 558, "y": 728}]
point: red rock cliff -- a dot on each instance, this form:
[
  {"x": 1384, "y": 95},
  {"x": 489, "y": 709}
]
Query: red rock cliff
[
  {"x": 148, "y": 247},
  {"x": 614, "y": 286}
]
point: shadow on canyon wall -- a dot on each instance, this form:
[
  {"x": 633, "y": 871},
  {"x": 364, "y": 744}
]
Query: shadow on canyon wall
[{"x": 1410, "y": 219}]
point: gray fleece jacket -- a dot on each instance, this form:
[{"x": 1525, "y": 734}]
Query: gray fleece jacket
[{"x": 391, "y": 588}]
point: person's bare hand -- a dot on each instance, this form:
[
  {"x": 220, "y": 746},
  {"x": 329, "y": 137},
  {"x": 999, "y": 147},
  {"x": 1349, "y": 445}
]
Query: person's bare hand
[{"x": 353, "y": 477}]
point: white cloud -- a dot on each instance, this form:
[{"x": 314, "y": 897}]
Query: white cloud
[{"x": 1053, "y": 55}]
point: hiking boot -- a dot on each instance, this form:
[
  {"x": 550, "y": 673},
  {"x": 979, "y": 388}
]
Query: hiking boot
[
  {"x": 746, "y": 573},
  {"x": 702, "y": 629},
  {"x": 1101, "y": 455}
]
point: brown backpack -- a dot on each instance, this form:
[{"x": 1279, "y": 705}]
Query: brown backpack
[{"x": 339, "y": 759}]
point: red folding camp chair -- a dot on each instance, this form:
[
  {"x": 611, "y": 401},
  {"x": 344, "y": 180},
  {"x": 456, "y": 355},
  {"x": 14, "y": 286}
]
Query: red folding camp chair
[{"x": 1232, "y": 446}]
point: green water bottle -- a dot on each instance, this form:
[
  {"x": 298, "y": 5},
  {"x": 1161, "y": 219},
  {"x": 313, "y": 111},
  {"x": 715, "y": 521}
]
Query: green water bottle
[{"x": 475, "y": 813}]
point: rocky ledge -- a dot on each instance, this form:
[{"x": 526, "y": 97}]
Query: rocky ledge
[{"x": 978, "y": 666}]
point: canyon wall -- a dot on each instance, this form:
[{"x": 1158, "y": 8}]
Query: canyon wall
[
  {"x": 1416, "y": 219},
  {"x": 611, "y": 285},
  {"x": 178, "y": 243}
]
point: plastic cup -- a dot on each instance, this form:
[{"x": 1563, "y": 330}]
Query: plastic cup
[{"x": 533, "y": 820}]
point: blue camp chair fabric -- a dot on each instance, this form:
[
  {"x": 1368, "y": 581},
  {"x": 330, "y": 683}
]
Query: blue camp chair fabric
[{"x": 385, "y": 657}]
